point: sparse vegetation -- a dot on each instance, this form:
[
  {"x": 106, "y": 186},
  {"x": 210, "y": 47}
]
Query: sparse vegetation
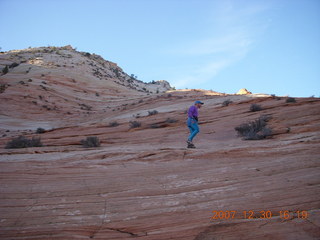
[
  {"x": 117, "y": 72},
  {"x": 153, "y": 112},
  {"x": 46, "y": 107},
  {"x": 23, "y": 142},
  {"x": 2, "y": 88},
  {"x": 255, "y": 130},
  {"x": 155, "y": 125},
  {"x": 255, "y": 107},
  {"x": 290, "y": 100},
  {"x": 226, "y": 103},
  {"x": 85, "y": 107},
  {"x": 134, "y": 124},
  {"x": 171, "y": 120},
  {"x": 133, "y": 76},
  {"x": 40, "y": 130},
  {"x": 5, "y": 70},
  {"x": 275, "y": 97},
  {"x": 13, "y": 65},
  {"x": 114, "y": 124},
  {"x": 44, "y": 88},
  {"x": 90, "y": 142}
]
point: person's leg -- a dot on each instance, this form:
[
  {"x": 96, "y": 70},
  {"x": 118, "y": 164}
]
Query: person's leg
[
  {"x": 189, "y": 124},
  {"x": 194, "y": 130},
  {"x": 191, "y": 129}
]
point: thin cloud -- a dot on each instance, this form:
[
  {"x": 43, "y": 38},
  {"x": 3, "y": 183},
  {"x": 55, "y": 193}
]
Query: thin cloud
[
  {"x": 226, "y": 43},
  {"x": 230, "y": 44}
]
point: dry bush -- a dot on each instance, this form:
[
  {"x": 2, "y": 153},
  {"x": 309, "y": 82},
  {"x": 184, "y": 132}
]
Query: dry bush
[
  {"x": 290, "y": 100},
  {"x": 255, "y": 107},
  {"x": 23, "y": 142},
  {"x": 153, "y": 112},
  {"x": 134, "y": 124},
  {"x": 90, "y": 142},
  {"x": 226, "y": 103},
  {"x": 255, "y": 130}
]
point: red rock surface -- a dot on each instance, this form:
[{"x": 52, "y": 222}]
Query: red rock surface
[{"x": 143, "y": 183}]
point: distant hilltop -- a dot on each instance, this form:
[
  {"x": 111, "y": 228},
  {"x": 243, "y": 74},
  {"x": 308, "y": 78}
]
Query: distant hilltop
[{"x": 72, "y": 62}]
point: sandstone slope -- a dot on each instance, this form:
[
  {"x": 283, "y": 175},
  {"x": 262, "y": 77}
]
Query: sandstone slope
[{"x": 142, "y": 183}]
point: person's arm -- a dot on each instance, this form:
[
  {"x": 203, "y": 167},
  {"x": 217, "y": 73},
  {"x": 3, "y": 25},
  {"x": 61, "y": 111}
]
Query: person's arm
[{"x": 193, "y": 113}]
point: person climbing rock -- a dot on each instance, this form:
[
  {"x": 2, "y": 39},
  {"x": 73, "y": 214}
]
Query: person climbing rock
[{"x": 192, "y": 122}]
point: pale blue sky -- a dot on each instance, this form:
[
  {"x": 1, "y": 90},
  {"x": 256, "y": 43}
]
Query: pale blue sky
[{"x": 266, "y": 46}]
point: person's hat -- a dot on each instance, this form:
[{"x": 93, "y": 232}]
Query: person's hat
[{"x": 198, "y": 102}]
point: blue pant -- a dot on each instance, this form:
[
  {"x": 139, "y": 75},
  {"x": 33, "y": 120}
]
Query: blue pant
[{"x": 193, "y": 127}]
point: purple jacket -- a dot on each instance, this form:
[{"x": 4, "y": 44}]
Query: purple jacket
[{"x": 193, "y": 111}]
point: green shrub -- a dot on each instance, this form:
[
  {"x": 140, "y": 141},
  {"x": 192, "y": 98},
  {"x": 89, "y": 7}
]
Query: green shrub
[
  {"x": 23, "y": 142},
  {"x": 90, "y": 142},
  {"x": 255, "y": 130}
]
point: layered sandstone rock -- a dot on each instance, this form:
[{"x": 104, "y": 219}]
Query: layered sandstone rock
[{"x": 143, "y": 183}]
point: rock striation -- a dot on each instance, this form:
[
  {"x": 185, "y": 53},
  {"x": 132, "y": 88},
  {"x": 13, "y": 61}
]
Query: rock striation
[{"x": 142, "y": 182}]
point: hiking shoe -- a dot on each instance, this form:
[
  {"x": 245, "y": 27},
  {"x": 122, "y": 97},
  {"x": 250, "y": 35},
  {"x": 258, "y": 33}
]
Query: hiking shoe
[{"x": 191, "y": 145}]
